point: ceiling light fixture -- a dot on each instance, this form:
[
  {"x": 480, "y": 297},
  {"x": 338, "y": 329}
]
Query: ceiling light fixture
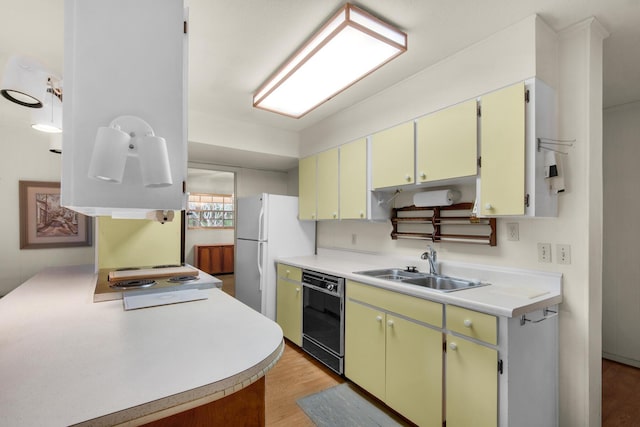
[
  {"x": 130, "y": 136},
  {"x": 26, "y": 82},
  {"x": 351, "y": 45},
  {"x": 49, "y": 117}
]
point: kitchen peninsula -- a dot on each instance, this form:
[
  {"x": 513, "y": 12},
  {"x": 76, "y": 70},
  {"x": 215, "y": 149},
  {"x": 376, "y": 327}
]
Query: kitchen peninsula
[{"x": 65, "y": 360}]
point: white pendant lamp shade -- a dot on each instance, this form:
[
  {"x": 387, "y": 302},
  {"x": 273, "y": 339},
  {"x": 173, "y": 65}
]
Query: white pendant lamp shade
[
  {"x": 154, "y": 161},
  {"x": 130, "y": 136},
  {"x": 25, "y": 82},
  {"x": 109, "y": 156},
  {"x": 351, "y": 45},
  {"x": 49, "y": 117}
]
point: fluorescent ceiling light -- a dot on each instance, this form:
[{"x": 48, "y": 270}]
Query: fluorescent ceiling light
[{"x": 351, "y": 45}]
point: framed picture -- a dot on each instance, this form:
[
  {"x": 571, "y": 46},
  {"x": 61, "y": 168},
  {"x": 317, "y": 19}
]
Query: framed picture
[{"x": 46, "y": 224}]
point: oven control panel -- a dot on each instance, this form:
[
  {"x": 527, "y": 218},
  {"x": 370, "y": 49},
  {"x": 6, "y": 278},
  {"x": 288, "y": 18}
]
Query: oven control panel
[{"x": 323, "y": 281}]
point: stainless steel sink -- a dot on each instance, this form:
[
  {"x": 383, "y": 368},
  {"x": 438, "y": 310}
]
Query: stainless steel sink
[
  {"x": 395, "y": 274},
  {"x": 435, "y": 282},
  {"x": 444, "y": 284}
]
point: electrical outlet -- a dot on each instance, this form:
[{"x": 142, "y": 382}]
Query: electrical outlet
[
  {"x": 513, "y": 233},
  {"x": 563, "y": 254},
  {"x": 544, "y": 252},
  {"x": 354, "y": 239}
]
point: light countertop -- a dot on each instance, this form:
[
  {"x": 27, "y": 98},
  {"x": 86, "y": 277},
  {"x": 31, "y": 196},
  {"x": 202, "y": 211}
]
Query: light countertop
[
  {"x": 66, "y": 360},
  {"x": 512, "y": 293}
]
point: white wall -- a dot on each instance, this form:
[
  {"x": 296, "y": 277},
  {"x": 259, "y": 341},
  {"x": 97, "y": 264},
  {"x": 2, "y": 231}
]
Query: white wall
[
  {"x": 621, "y": 275},
  {"x": 25, "y": 156},
  {"x": 502, "y": 59}
]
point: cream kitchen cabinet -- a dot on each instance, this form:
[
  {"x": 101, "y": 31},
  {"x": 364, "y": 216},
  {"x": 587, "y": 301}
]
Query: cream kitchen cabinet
[
  {"x": 307, "y": 196},
  {"x": 393, "y": 349},
  {"x": 471, "y": 376},
  {"x": 512, "y": 172},
  {"x": 289, "y": 302},
  {"x": 447, "y": 143},
  {"x": 353, "y": 180},
  {"x": 392, "y": 156},
  {"x": 327, "y": 184}
]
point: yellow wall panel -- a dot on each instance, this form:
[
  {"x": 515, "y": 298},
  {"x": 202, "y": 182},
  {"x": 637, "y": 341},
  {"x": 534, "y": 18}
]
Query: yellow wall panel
[{"x": 137, "y": 242}]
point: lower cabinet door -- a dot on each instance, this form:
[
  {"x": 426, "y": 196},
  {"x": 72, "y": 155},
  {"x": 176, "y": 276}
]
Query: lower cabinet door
[
  {"x": 289, "y": 310},
  {"x": 364, "y": 356},
  {"x": 471, "y": 384},
  {"x": 414, "y": 371}
]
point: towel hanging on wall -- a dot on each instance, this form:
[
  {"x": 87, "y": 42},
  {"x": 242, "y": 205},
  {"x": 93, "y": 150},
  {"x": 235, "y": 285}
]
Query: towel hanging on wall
[{"x": 553, "y": 172}]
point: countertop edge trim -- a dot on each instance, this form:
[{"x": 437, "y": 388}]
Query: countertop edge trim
[{"x": 174, "y": 404}]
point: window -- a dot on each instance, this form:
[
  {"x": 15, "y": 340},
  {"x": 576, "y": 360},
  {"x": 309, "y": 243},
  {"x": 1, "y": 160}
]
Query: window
[{"x": 211, "y": 210}]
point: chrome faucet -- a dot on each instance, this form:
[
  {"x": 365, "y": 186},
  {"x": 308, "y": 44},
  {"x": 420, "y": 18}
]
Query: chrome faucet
[{"x": 432, "y": 256}]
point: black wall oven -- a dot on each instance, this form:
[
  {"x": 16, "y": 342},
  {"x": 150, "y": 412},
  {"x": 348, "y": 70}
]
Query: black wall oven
[{"x": 323, "y": 318}]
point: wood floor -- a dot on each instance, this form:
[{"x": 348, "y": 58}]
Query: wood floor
[
  {"x": 620, "y": 395},
  {"x": 297, "y": 375}
]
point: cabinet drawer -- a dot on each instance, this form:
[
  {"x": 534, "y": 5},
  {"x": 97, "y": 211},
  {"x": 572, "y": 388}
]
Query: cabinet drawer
[
  {"x": 481, "y": 326},
  {"x": 289, "y": 272},
  {"x": 416, "y": 308}
]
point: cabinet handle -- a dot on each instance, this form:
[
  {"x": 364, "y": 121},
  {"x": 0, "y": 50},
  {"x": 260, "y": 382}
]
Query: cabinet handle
[
  {"x": 313, "y": 216},
  {"x": 288, "y": 272},
  {"x": 467, "y": 323},
  {"x": 390, "y": 323},
  {"x": 335, "y": 215},
  {"x": 488, "y": 206},
  {"x": 453, "y": 346},
  {"x": 361, "y": 214},
  {"x": 423, "y": 175},
  {"x": 379, "y": 318},
  {"x": 297, "y": 289},
  {"x": 407, "y": 177}
]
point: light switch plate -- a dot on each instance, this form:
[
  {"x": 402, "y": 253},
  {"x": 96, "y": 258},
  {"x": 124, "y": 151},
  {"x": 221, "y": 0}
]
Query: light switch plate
[{"x": 544, "y": 252}]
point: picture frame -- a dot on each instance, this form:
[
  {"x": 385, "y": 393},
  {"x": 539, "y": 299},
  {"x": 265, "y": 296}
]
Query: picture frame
[{"x": 44, "y": 224}]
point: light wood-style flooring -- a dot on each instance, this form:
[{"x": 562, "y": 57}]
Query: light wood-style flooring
[
  {"x": 297, "y": 375},
  {"x": 620, "y": 395}
]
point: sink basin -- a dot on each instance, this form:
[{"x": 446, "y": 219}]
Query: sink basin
[
  {"x": 395, "y": 274},
  {"x": 443, "y": 283}
]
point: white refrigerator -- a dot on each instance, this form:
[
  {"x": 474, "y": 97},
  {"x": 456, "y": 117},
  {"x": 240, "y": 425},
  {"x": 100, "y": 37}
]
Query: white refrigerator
[{"x": 267, "y": 227}]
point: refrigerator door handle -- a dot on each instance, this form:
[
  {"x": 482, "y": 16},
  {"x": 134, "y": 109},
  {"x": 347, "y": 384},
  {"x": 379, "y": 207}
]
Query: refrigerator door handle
[
  {"x": 260, "y": 266},
  {"x": 260, "y": 223}
]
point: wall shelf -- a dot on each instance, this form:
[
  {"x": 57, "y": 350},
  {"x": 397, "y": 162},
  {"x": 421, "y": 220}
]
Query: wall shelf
[{"x": 443, "y": 224}]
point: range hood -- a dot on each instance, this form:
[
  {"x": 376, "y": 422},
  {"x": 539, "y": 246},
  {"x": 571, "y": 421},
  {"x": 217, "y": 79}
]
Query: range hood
[{"x": 124, "y": 59}]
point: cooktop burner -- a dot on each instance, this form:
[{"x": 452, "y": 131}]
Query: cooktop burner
[
  {"x": 112, "y": 290},
  {"x": 180, "y": 279},
  {"x": 133, "y": 284}
]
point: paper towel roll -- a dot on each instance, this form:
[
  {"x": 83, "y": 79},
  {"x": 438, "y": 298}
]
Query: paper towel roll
[{"x": 436, "y": 198}]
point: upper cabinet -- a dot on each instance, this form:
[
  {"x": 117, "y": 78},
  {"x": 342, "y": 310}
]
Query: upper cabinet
[
  {"x": 307, "y": 179},
  {"x": 512, "y": 173},
  {"x": 353, "y": 180},
  {"x": 502, "y": 141},
  {"x": 392, "y": 156},
  {"x": 124, "y": 59},
  {"x": 327, "y": 184},
  {"x": 492, "y": 139},
  {"x": 446, "y": 143}
]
